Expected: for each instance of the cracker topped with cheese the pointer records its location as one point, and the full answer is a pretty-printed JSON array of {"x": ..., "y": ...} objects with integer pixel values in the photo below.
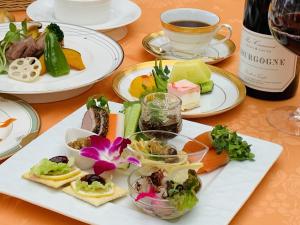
[
  {"x": 54, "y": 172},
  {"x": 94, "y": 190}
]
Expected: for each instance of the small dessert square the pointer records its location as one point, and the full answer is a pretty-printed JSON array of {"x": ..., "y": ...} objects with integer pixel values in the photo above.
[{"x": 188, "y": 92}]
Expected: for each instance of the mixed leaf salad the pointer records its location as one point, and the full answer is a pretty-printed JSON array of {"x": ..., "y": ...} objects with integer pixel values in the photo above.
[{"x": 153, "y": 189}]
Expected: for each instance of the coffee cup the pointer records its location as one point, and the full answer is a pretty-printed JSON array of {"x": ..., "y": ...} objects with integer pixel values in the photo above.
[
  {"x": 82, "y": 12},
  {"x": 192, "y": 30}
]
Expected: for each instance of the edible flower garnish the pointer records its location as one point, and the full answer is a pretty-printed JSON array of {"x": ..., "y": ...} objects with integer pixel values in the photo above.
[
  {"x": 151, "y": 193},
  {"x": 107, "y": 154}
]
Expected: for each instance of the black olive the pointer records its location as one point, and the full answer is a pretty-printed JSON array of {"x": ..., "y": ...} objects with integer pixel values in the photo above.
[
  {"x": 172, "y": 151},
  {"x": 90, "y": 178},
  {"x": 169, "y": 184},
  {"x": 59, "y": 159},
  {"x": 179, "y": 187}
]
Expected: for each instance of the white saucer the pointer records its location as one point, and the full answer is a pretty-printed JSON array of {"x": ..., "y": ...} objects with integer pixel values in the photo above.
[
  {"x": 123, "y": 12},
  {"x": 157, "y": 44}
]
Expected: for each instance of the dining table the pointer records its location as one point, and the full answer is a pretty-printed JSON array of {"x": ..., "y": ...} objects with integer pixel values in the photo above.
[{"x": 276, "y": 200}]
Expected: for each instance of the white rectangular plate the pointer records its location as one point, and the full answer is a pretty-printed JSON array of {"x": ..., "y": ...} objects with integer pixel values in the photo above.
[{"x": 223, "y": 193}]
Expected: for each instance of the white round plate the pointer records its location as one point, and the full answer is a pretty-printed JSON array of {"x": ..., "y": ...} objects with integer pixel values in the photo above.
[
  {"x": 101, "y": 56},
  {"x": 157, "y": 44},
  {"x": 23, "y": 130},
  {"x": 123, "y": 12},
  {"x": 228, "y": 90}
]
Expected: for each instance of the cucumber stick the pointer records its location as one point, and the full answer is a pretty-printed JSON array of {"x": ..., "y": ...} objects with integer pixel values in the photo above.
[
  {"x": 207, "y": 87},
  {"x": 132, "y": 111}
]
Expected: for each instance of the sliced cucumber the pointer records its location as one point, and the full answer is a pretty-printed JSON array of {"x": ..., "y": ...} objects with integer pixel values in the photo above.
[
  {"x": 132, "y": 111},
  {"x": 207, "y": 87}
]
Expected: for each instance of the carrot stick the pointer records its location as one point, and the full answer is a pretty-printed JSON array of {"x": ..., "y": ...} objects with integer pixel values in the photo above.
[
  {"x": 115, "y": 126},
  {"x": 212, "y": 160},
  {"x": 7, "y": 122}
]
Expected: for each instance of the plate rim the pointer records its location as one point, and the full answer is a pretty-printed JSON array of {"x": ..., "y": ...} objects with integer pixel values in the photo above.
[
  {"x": 233, "y": 78},
  {"x": 96, "y": 26},
  {"x": 275, "y": 151},
  {"x": 151, "y": 36},
  {"x": 122, "y": 54},
  {"x": 34, "y": 133}
]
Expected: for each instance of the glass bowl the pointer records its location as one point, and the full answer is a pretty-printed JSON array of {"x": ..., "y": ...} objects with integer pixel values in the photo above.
[
  {"x": 158, "y": 148},
  {"x": 157, "y": 207}
]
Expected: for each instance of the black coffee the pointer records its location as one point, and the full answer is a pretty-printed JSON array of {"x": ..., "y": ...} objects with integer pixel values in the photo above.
[{"x": 189, "y": 23}]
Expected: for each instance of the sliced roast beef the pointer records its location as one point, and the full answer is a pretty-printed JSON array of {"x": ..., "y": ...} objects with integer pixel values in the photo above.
[
  {"x": 40, "y": 45},
  {"x": 96, "y": 120},
  {"x": 22, "y": 49}
]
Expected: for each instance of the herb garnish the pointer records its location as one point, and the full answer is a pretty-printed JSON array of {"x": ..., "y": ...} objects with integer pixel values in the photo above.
[
  {"x": 161, "y": 77},
  {"x": 13, "y": 35},
  {"x": 100, "y": 102},
  {"x": 237, "y": 148},
  {"x": 183, "y": 196}
]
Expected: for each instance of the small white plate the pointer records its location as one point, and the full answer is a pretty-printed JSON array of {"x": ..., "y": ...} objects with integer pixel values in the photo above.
[
  {"x": 223, "y": 191},
  {"x": 23, "y": 130},
  {"x": 228, "y": 90},
  {"x": 157, "y": 44},
  {"x": 100, "y": 54},
  {"x": 123, "y": 12}
]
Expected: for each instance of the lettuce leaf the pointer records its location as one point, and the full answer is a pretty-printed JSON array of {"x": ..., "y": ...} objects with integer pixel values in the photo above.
[
  {"x": 184, "y": 200},
  {"x": 95, "y": 186},
  {"x": 47, "y": 167}
]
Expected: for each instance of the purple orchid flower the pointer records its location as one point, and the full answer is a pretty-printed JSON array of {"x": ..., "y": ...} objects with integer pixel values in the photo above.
[{"x": 106, "y": 154}]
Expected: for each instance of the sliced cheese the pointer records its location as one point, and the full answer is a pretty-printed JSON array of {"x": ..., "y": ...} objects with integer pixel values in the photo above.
[
  {"x": 52, "y": 183},
  {"x": 97, "y": 201}
]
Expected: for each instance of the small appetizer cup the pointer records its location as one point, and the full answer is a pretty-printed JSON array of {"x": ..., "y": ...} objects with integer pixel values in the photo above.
[
  {"x": 158, "y": 207},
  {"x": 175, "y": 148},
  {"x": 71, "y": 135},
  {"x": 161, "y": 111}
]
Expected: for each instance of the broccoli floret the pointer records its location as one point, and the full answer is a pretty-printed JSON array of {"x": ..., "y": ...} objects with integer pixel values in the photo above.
[{"x": 54, "y": 28}]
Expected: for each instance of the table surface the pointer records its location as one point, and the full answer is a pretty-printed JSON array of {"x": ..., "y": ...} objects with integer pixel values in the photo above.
[{"x": 275, "y": 201}]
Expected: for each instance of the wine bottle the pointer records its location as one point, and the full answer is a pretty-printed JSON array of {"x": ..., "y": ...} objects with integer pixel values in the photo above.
[{"x": 268, "y": 70}]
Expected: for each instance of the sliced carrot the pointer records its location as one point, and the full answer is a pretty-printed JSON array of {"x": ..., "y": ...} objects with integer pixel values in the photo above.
[
  {"x": 115, "y": 126},
  {"x": 7, "y": 122},
  {"x": 212, "y": 160},
  {"x": 205, "y": 138}
]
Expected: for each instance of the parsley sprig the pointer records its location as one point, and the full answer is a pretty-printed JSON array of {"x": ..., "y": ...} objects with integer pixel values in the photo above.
[{"x": 237, "y": 148}]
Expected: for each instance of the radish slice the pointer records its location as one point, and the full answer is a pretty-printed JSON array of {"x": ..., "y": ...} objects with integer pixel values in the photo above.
[{"x": 25, "y": 69}]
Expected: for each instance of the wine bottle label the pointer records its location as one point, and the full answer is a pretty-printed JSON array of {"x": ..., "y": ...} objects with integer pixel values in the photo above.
[{"x": 265, "y": 65}]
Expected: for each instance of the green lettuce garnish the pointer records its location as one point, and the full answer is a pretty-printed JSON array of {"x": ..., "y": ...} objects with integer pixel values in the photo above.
[
  {"x": 95, "y": 186},
  {"x": 183, "y": 196},
  {"x": 184, "y": 200},
  {"x": 47, "y": 167}
]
